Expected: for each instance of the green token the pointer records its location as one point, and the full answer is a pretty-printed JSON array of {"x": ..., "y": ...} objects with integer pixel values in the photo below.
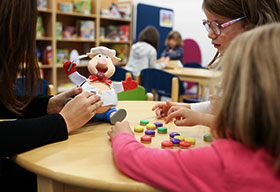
[
  {"x": 144, "y": 122},
  {"x": 162, "y": 130},
  {"x": 207, "y": 138}
]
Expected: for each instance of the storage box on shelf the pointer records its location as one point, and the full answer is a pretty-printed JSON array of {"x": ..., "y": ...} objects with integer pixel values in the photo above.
[{"x": 78, "y": 24}]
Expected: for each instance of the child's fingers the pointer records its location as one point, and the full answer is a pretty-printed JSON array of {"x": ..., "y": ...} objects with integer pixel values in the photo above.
[
  {"x": 159, "y": 113},
  {"x": 157, "y": 106},
  {"x": 180, "y": 122},
  {"x": 173, "y": 115}
]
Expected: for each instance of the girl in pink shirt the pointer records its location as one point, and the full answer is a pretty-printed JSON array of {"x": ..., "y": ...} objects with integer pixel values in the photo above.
[{"x": 246, "y": 153}]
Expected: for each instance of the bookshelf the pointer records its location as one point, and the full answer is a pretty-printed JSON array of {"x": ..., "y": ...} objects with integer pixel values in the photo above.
[{"x": 50, "y": 15}]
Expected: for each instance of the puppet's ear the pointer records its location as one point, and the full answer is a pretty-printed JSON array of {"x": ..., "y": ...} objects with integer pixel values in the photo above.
[
  {"x": 91, "y": 55},
  {"x": 115, "y": 59}
]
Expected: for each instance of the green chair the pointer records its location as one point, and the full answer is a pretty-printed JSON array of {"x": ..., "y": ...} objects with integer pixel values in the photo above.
[{"x": 138, "y": 94}]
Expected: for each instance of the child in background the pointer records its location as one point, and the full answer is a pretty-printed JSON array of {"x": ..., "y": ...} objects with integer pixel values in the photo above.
[
  {"x": 174, "y": 50},
  {"x": 246, "y": 153},
  {"x": 143, "y": 54}
]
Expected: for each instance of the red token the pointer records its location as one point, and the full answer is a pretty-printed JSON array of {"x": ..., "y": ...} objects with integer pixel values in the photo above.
[
  {"x": 185, "y": 144},
  {"x": 166, "y": 144},
  {"x": 146, "y": 139}
]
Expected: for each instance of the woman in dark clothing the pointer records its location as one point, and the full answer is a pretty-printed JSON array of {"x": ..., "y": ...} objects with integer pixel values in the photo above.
[{"x": 40, "y": 119}]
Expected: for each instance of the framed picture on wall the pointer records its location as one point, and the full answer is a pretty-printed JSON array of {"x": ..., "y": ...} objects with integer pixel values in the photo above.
[{"x": 166, "y": 18}]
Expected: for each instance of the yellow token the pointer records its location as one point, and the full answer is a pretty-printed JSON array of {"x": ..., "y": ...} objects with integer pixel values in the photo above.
[
  {"x": 139, "y": 129},
  {"x": 179, "y": 137},
  {"x": 151, "y": 126},
  {"x": 190, "y": 139}
]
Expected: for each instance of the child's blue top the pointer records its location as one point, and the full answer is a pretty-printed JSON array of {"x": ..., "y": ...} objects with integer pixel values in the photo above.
[{"x": 175, "y": 54}]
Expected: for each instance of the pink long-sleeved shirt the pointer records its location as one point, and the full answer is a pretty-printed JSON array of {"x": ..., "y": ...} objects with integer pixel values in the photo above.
[{"x": 224, "y": 166}]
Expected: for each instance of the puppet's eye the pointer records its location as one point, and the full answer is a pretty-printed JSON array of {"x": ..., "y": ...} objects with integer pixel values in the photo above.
[
  {"x": 107, "y": 57},
  {"x": 99, "y": 55}
]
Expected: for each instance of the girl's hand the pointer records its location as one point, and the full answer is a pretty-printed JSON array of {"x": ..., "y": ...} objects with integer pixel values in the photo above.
[
  {"x": 120, "y": 127},
  {"x": 163, "y": 108},
  {"x": 184, "y": 117},
  {"x": 56, "y": 103},
  {"x": 80, "y": 110}
]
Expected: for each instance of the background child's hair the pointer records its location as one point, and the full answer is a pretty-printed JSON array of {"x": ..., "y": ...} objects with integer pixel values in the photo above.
[
  {"x": 150, "y": 35},
  {"x": 256, "y": 12},
  {"x": 174, "y": 35},
  {"x": 249, "y": 109}
]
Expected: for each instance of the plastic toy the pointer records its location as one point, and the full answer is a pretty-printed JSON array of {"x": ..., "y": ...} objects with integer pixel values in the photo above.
[{"x": 101, "y": 66}]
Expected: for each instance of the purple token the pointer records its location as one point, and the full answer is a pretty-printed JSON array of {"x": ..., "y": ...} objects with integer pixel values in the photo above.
[
  {"x": 175, "y": 141},
  {"x": 173, "y": 134},
  {"x": 150, "y": 132},
  {"x": 158, "y": 124}
]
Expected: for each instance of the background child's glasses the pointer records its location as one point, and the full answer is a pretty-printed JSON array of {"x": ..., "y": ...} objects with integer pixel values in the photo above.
[{"x": 216, "y": 28}]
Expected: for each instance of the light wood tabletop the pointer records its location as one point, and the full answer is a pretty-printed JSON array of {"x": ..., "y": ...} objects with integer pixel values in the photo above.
[
  {"x": 205, "y": 78},
  {"x": 84, "y": 162}
]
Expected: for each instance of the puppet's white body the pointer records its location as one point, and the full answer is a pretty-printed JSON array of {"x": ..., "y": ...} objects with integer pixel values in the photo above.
[{"x": 108, "y": 94}]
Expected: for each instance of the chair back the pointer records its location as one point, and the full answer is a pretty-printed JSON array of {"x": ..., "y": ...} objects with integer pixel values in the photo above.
[
  {"x": 160, "y": 81},
  {"x": 191, "y": 51},
  {"x": 20, "y": 87},
  {"x": 121, "y": 74}
]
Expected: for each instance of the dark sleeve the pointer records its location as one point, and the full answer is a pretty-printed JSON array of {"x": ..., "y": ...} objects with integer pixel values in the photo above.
[
  {"x": 176, "y": 54},
  {"x": 37, "y": 108},
  {"x": 25, "y": 134},
  {"x": 164, "y": 53}
]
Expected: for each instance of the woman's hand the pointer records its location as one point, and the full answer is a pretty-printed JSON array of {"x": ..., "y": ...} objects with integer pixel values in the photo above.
[
  {"x": 80, "y": 110},
  {"x": 56, "y": 103},
  {"x": 161, "y": 109},
  {"x": 187, "y": 117},
  {"x": 120, "y": 127}
]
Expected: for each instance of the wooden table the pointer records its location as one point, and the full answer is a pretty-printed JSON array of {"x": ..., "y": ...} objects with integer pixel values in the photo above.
[
  {"x": 204, "y": 77},
  {"x": 85, "y": 163}
]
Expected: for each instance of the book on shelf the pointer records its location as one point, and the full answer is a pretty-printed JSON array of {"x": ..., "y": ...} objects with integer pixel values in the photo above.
[
  {"x": 66, "y": 7},
  {"x": 59, "y": 29},
  {"x": 62, "y": 56},
  {"x": 44, "y": 54},
  {"x": 82, "y": 6},
  {"x": 117, "y": 33},
  {"x": 40, "y": 31},
  {"x": 42, "y": 4},
  {"x": 121, "y": 50},
  {"x": 86, "y": 29}
]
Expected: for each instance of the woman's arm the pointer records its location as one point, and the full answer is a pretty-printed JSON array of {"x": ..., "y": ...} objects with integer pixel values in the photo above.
[
  {"x": 37, "y": 108},
  {"x": 25, "y": 134}
]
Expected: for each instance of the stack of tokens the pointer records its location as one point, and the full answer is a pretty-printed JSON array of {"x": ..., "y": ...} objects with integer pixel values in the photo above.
[
  {"x": 179, "y": 137},
  {"x": 151, "y": 126},
  {"x": 162, "y": 130},
  {"x": 150, "y": 133},
  {"x": 190, "y": 139},
  {"x": 166, "y": 145},
  {"x": 175, "y": 141},
  {"x": 158, "y": 124},
  {"x": 207, "y": 138},
  {"x": 144, "y": 122},
  {"x": 146, "y": 139},
  {"x": 139, "y": 129},
  {"x": 184, "y": 144},
  {"x": 173, "y": 134}
]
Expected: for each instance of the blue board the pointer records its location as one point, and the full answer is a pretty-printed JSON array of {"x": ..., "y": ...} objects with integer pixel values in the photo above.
[{"x": 150, "y": 15}]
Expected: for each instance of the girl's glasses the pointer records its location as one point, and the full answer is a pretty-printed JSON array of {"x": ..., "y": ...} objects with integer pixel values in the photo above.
[{"x": 216, "y": 28}]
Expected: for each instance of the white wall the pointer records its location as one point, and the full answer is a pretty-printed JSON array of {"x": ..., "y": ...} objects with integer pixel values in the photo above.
[{"x": 188, "y": 17}]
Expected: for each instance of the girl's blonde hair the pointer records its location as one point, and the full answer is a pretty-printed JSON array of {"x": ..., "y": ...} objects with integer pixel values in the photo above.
[
  {"x": 249, "y": 109},
  {"x": 256, "y": 13},
  {"x": 174, "y": 35}
]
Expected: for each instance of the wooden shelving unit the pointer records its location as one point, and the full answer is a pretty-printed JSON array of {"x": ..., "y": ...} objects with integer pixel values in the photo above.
[{"x": 53, "y": 72}]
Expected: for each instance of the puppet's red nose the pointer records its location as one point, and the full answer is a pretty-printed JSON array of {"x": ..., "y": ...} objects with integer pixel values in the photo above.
[{"x": 102, "y": 61}]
